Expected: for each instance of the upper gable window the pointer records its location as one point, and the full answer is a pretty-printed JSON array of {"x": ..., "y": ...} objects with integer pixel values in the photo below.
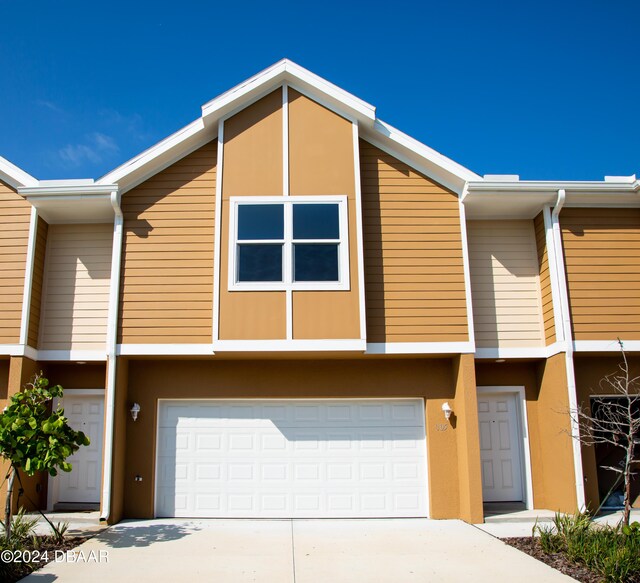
[{"x": 288, "y": 243}]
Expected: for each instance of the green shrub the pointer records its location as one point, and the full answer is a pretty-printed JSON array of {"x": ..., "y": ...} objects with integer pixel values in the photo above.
[{"x": 612, "y": 551}]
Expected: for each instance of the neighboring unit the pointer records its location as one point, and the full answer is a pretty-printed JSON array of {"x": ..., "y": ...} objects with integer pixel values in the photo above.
[{"x": 269, "y": 313}]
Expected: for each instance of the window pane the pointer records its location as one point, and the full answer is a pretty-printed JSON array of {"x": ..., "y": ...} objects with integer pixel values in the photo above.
[
  {"x": 316, "y": 221},
  {"x": 260, "y": 221},
  {"x": 315, "y": 262},
  {"x": 260, "y": 263}
]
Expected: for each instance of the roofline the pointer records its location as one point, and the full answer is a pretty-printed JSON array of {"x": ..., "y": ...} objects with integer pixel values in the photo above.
[
  {"x": 14, "y": 176},
  {"x": 204, "y": 129},
  {"x": 62, "y": 190},
  {"x": 546, "y": 186}
]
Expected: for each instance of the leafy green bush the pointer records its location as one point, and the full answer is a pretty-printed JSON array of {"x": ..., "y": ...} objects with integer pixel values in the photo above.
[{"x": 612, "y": 551}]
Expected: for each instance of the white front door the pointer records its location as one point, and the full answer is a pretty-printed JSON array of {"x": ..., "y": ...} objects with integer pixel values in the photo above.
[
  {"x": 82, "y": 485},
  {"x": 292, "y": 459},
  {"x": 500, "y": 448}
]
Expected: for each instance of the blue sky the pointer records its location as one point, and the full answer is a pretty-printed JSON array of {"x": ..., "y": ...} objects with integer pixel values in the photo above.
[{"x": 547, "y": 90}]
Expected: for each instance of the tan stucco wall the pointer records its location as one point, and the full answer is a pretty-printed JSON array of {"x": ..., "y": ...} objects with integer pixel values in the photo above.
[
  {"x": 550, "y": 445},
  {"x": 435, "y": 380}
]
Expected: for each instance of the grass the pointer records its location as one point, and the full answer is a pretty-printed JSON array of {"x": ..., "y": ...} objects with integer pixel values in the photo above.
[{"x": 611, "y": 551}]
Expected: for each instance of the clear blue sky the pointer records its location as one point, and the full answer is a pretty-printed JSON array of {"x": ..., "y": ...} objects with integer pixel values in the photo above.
[{"x": 547, "y": 90}]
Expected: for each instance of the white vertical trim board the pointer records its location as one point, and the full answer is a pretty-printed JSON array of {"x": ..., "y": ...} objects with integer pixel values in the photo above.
[
  {"x": 28, "y": 276},
  {"x": 521, "y": 403},
  {"x": 285, "y": 192},
  {"x": 466, "y": 266},
  {"x": 568, "y": 338},
  {"x": 359, "y": 232},
  {"x": 553, "y": 274},
  {"x": 217, "y": 235}
]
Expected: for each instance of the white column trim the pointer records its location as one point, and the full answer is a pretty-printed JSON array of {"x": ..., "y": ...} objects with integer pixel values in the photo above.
[
  {"x": 359, "y": 231},
  {"x": 553, "y": 274},
  {"x": 215, "y": 325},
  {"x": 28, "y": 276},
  {"x": 568, "y": 337},
  {"x": 466, "y": 266}
]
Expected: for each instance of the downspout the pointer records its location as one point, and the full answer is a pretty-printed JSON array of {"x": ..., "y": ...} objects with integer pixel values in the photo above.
[
  {"x": 112, "y": 338},
  {"x": 569, "y": 346}
]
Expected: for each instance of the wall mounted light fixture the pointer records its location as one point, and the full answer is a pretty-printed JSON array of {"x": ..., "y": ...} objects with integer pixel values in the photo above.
[
  {"x": 447, "y": 410},
  {"x": 135, "y": 409}
]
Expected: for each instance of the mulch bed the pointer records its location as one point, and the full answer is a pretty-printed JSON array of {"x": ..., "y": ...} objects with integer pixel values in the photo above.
[
  {"x": 46, "y": 543},
  {"x": 558, "y": 561}
]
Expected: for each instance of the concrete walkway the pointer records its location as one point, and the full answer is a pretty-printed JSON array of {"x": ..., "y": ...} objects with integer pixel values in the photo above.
[
  {"x": 297, "y": 551},
  {"x": 521, "y": 523}
]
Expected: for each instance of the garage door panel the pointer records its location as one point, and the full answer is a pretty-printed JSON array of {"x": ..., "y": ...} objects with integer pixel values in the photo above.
[{"x": 312, "y": 459}]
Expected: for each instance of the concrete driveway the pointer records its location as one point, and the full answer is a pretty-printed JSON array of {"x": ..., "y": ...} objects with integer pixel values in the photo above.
[{"x": 300, "y": 551}]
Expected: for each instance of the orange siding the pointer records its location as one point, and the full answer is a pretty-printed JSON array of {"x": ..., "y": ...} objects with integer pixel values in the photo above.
[
  {"x": 15, "y": 213},
  {"x": 545, "y": 280},
  {"x": 252, "y": 166},
  {"x": 167, "y": 270},
  {"x": 36, "y": 285},
  {"x": 602, "y": 259},
  {"x": 414, "y": 276},
  {"x": 322, "y": 163}
]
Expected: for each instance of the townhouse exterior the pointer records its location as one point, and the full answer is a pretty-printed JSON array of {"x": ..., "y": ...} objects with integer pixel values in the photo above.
[{"x": 291, "y": 309}]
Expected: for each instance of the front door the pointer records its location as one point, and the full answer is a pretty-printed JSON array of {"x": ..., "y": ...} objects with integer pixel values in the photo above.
[
  {"x": 500, "y": 448},
  {"x": 82, "y": 485}
]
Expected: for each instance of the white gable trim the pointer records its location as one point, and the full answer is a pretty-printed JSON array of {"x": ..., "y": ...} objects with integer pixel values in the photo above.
[
  {"x": 14, "y": 176},
  {"x": 163, "y": 154}
]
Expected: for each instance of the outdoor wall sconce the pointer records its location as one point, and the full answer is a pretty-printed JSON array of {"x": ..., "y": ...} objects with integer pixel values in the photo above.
[
  {"x": 446, "y": 408},
  {"x": 135, "y": 409}
]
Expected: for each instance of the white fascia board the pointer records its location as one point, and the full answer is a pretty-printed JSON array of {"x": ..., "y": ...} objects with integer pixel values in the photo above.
[
  {"x": 164, "y": 349},
  {"x": 429, "y": 154},
  {"x": 14, "y": 176},
  {"x": 338, "y": 345},
  {"x": 420, "y": 348},
  {"x": 606, "y": 346},
  {"x": 520, "y": 352},
  {"x": 60, "y": 191},
  {"x": 287, "y": 71},
  {"x": 73, "y": 355},
  {"x": 581, "y": 186},
  {"x": 420, "y": 158},
  {"x": 155, "y": 153}
]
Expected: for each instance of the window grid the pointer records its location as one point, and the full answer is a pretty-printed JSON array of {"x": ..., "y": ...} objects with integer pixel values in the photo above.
[{"x": 288, "y": 244}]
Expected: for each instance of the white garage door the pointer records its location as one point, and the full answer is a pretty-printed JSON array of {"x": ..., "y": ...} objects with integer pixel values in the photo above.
[{"x": 291, "y": 459}]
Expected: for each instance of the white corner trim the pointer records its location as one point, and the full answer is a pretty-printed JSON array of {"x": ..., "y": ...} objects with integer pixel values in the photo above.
[
  {"x": 28, "y": 276},
  {"x": 362, "y": 308},
  {"x": 605, "y": 345},
  {"x": 520, "y": 352},
  {"x": 164, "y": 349},
  {"x": 420, "y": 348},
  {"x": 521, "y": 401},
  {"x": 337, "y": 345},
  {"x": 466, "y": 266},
  {"x": 217, "y": 236}
]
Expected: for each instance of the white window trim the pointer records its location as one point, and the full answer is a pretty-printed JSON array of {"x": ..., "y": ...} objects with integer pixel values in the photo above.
[{"x": 287, "y": 257}]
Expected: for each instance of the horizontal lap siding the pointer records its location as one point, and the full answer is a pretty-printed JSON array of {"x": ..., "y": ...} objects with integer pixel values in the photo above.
[
  {"x": 602, "y": 259},
  {"x": 414, "y": 275},
  {"x": 167, "y": 272},
  {"x": 76, "y": 287},
  {"x": 15, "y": 215},
  {"x": 545, "y": 280},
  {"x": 37, "y": 283},
  {"x": 505, "y": 283}
]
